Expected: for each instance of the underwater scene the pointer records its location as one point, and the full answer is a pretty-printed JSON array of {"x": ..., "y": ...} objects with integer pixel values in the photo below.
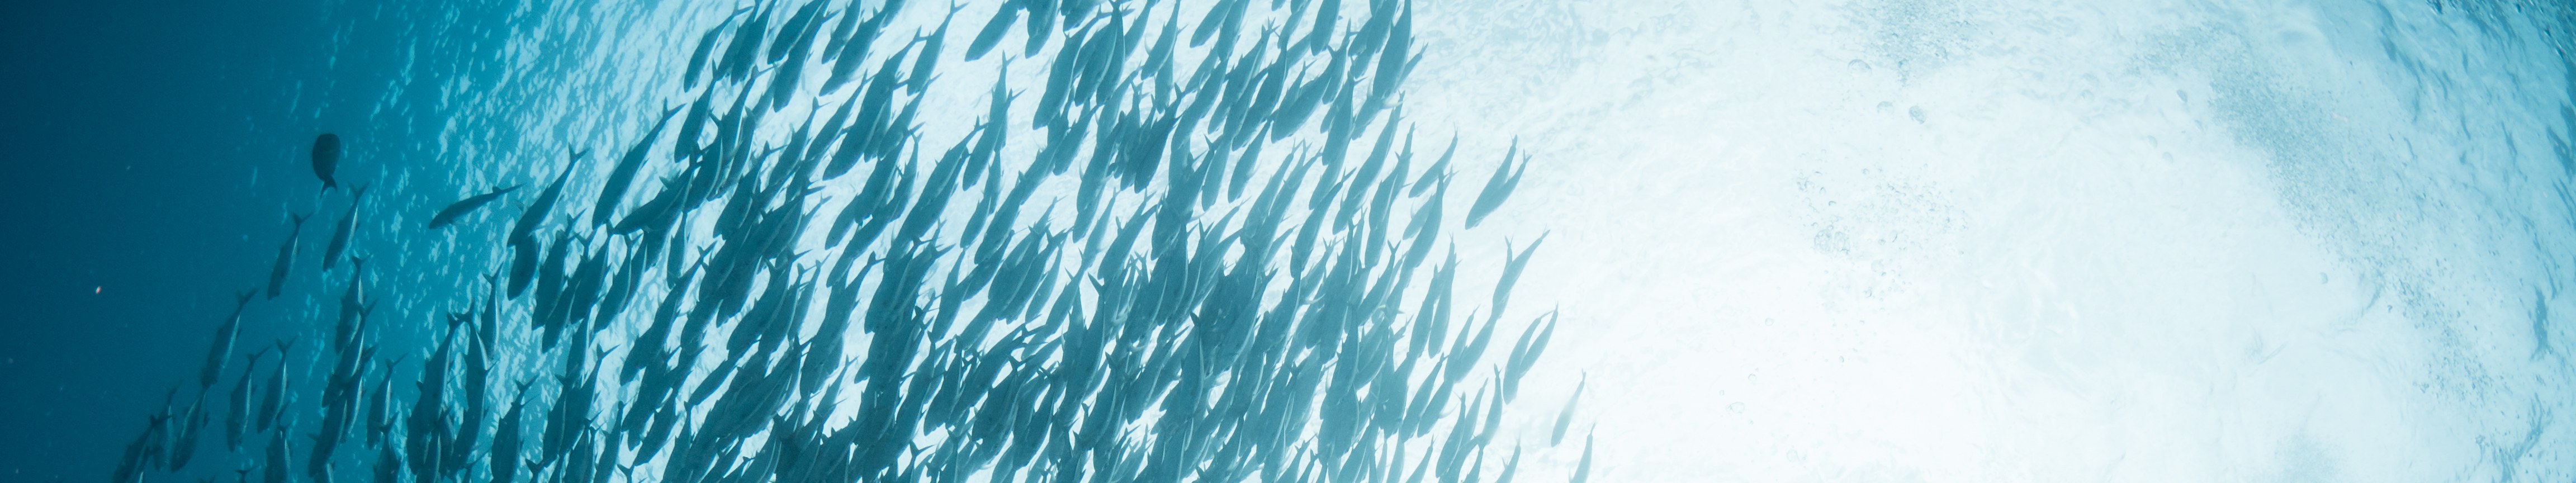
[{"x": 1398, "y": 241}]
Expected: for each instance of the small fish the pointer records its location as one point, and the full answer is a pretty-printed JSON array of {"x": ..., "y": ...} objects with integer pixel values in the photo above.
[
  {"x": 1565, "y": 417},
  {"x": 461, "y": 207},
  {"x": 1583, "y": 471},
  {"x": 273, "y": 404},
  {"x": 285, "y": 257},
  {"x": 1512, "y": 274},
  {"x": 535, "y": 214},
  {"x": 1499, "y": 187},
  {"x": 276, "y": 465},
  {"x": 326, "y": 159},
  {"x": 221, "y": 351},
  {"x": 340, "y": 234},
  {"x": 235, "y": 422},
  {"x": 621, "y": 177}
]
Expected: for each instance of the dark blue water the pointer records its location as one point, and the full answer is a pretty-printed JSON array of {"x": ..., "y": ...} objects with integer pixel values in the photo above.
[
  {"x": 157, "y": 151},
  {"x": 130, "y": 212}
]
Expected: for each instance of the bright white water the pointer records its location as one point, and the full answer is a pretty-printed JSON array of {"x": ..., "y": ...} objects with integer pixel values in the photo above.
[{"x": 2032, "y": 241}]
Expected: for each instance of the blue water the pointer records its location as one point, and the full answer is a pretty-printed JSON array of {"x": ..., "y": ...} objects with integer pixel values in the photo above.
[{"x": 1866, "y": 240}]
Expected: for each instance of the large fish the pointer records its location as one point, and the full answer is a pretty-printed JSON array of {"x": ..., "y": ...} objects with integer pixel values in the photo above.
[
  {"x": 461, "y": 207},
  {"x": 326, "y": 159}
]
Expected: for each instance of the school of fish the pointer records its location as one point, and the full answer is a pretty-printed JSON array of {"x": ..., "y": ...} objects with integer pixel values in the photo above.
[{"x": 1237, "y": 278}]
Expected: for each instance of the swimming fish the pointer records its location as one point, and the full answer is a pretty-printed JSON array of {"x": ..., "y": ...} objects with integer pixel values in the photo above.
[
  {"x": 326, "y": 159},
  {"x": 459, "y": 208},
  {"x": 285, "y": 256}
]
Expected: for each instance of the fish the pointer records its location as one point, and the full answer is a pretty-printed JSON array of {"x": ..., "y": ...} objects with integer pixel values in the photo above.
[
  {"x": 1565, "y": 417},
  {"x": 797, "y": 23},
  {"x": 1439, "y": 169},
  {"x": 535, "y": 214},
  {"x": 275, "y": 468},
  {"x": 353, "y": 309},
  {"x": 706, "y": 45},
  {"x": 622, "y": 176},
  {"x": 326, "y": 159},
  {"x": 459, "y": 208},
  {"x": 991, "y": 35},
  {"x": 744, "y": 47},
  {"x": 285, "y": 257},
  {"x": 841, "y": 32},
  {"x": 222, "y": 349},
  {"x": 1262, "y": 341},
  {"x": 1497, "y": 188},
  {"x": 1512, "y": 274},
  {"x": 1525, "y": 352},
  {"x": 340, "y": 234},
  {"x": 1583, "y": 470},
  {"x": 795, "y": 42},
  {"x": 237, "y": 420},
  {"x": 380, "y": 408},
  {"x": 928, "y": 60},
  {"x": 183, "y": 442},
  {"x": 273, "y": 404}
]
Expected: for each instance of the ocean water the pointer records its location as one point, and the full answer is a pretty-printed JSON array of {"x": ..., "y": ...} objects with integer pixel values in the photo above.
[{"x": 1782, "y": 241}]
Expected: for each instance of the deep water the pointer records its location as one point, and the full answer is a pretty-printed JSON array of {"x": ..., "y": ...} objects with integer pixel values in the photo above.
[{"x": 1865, "y": 240}]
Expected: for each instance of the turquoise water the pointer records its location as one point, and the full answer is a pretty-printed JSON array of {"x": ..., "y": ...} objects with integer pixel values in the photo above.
[{"x": 1811, "y": 241}]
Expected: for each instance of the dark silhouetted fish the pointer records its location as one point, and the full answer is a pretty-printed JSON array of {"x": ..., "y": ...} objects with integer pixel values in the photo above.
[
  {"x": 285, "y": 257},
  {"x": 340, "y": 231},
  {"x": 326, "y": 159},
  {"x": 613, "y": 190},
  {"x": 222, "y": 349},
  {"x": 526, "y": 227},
  {"x": 448, "y": 215},
  {"x": 237, "y": 421},
  {"x": 274, "y": 403}
]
